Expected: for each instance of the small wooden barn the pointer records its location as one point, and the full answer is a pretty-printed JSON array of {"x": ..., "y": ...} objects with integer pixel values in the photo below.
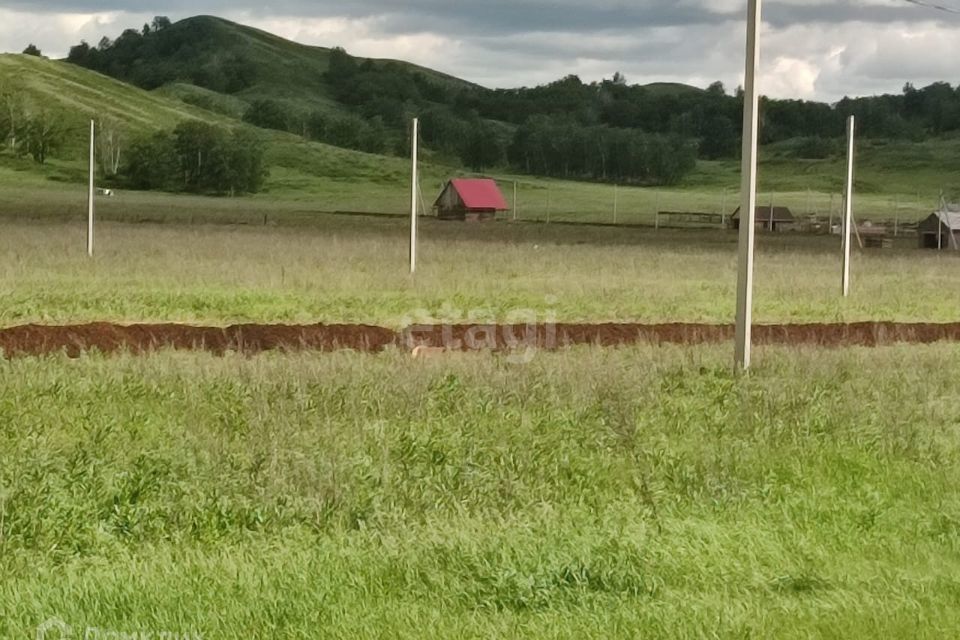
[
  {"x": 471, "y": 199},
  {"x": 874, "y": 237},
  {"x": 769, "y": 218},
  {"x": 941, "y": 230}
]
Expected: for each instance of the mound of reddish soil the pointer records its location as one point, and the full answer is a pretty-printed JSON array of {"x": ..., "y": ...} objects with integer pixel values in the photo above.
[
  {"x": 251, "y": 338},
  {"x": 470, "y": 337},
  {"x": 107, "y": 338}
]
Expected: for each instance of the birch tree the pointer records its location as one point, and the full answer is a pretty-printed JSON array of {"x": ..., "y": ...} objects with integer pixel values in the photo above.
[{"x": 110, "y": 142}]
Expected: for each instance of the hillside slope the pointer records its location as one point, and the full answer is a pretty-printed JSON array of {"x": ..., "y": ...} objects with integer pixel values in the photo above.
[
  {"x": 76, "y": 95},
  {"x": 80, "y": 94},
  {"x": 234, "y": 59},
  {"x": 329, "y": 177}
]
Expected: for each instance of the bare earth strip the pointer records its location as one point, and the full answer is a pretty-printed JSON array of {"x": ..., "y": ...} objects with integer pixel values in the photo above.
[{"x": 107, "y": 338}]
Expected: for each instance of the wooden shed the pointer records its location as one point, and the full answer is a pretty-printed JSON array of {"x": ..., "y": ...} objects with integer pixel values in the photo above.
[
  {"x": 769, "y": 218},
  {"x": 874, "y": 237},
  {"x": 941, "y": 230},
  {"x": 470, "y": 199}
]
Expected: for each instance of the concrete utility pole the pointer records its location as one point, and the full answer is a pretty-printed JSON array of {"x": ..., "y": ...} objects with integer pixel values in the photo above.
[
  {"x": 413, "y": 195},
  {"x": 848, "y": 208},
  {"x": 90, "y": 193},
  {"x": 748, "y": 189}
]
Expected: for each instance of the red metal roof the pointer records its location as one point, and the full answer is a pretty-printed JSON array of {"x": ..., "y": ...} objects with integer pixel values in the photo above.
[{"x": 481, "y": 193}]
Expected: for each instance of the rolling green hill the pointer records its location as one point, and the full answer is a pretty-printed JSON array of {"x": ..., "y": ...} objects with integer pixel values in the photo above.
[
  {"x": 230, "y": 58},
  {"x": 76, "y": 95},
  {"x": 605, "y": 131},
  {"x": 325, "y": 177},
  {"x": 79, "y": 94},
  {"x": 280, "y": 67}
]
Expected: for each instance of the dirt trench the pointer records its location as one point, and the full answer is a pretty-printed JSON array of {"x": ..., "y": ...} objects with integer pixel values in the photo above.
[{"x": 74, "y": 340}]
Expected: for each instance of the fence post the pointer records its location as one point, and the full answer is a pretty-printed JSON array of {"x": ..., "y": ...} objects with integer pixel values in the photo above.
[
  {"x": 414, "y": 182},
  {"x": 90, "y": 194}
]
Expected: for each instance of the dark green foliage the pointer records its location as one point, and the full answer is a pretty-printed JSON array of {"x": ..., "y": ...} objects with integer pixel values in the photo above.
[
  {"x": 268, "y": 114},
  {"x": 606, "y": 130},
  {"x": 152, "y": 163},
  {"x": 198, "y": 158},
  {"x": 482, "y": 148},
  {"x": 721, "y": 139},
  {"x": 212, "y": 160},
  {"x": 441, "y": 129},
  {"x": 348, "y": 131},
  {"x": 563, "y": 148},
  {"x": 81, "y": 54},
  {"x": 32, "y": 50},
  {"x": 358, "y": 84},
  {"x": 316, "y": 126},
  {"x": 160, "y": 23},
  {"x": 43, "y": 134},
  {"x": 245, "y": 169},
  {"x": 393, "y": 112},
  {"x": 191, "y": 52}
]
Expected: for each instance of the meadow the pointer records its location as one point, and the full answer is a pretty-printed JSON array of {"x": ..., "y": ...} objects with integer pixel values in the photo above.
[
  {"x": 628, "y": 492},
  {"x": 589, "y": 493},
  {"x": 308, "y": 179},
  {"x": 896, "y": 179},
  {"x": 354, "y": 269},
  {"x": 636, "y": 492}
]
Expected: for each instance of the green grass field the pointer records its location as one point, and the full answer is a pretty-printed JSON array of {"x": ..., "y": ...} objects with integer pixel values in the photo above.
[
  {"x": 639, "y": 492},
  {"x": 354, "y": 269},
  {"x": 631, "y": 492},
  {"x": 621, "y": 493},
  {"x": 895, "y": 180}
]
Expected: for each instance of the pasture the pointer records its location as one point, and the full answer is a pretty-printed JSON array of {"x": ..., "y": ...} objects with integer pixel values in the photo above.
[
  {"x": 641, "y": 492},
  {"x": 331, "y": 268},
  {"x": 588, "y": 493},
  {"x": 584, "y": 492}
]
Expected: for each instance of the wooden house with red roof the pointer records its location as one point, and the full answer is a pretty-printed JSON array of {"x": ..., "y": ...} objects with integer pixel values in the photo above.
[{"x": 471, "y": 199}]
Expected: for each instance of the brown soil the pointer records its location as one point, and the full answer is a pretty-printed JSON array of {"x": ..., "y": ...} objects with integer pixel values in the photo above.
[
  {"x": 108, "y": 338},
  {"x": 546, "y": 337}
]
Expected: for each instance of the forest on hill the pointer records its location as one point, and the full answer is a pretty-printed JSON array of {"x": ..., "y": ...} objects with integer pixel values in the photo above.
[{"x": 606, "y": 131}]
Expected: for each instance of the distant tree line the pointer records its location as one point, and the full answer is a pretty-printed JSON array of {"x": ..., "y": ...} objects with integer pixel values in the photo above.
[
  {"x": 712, "y": 116},
  {"x": 196, "y": 158},
  {"x": 608, "y": 130},
  {"x": 665, "y": 123},
  {"x": 560, "y": 147},
  {"x": 157, "y": 55}
]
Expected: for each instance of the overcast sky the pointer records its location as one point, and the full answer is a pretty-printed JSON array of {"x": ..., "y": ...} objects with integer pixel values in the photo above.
[{"x": 814, "y": 49}]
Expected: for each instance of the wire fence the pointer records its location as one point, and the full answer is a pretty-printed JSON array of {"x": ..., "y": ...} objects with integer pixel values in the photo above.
[{"x": 546, "y": 202}]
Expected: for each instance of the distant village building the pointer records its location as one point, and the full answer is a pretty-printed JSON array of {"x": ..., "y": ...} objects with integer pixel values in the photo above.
[
  {"x": 874, "y": 237},
  {"x": 768, "y": 218},
  {"x": 941, "y": 230},
  {"x": 470, "y": 199}
]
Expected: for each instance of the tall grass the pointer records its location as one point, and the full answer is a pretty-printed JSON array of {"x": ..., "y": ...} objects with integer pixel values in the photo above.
[
  {"x": 354, "y": 270},
  {"x": 619, "y": 493}
]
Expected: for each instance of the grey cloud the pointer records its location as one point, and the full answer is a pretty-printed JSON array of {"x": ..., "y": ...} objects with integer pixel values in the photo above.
[
  {"x": 525, "y": 42},
  {"x": 512, "y": 16}
]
